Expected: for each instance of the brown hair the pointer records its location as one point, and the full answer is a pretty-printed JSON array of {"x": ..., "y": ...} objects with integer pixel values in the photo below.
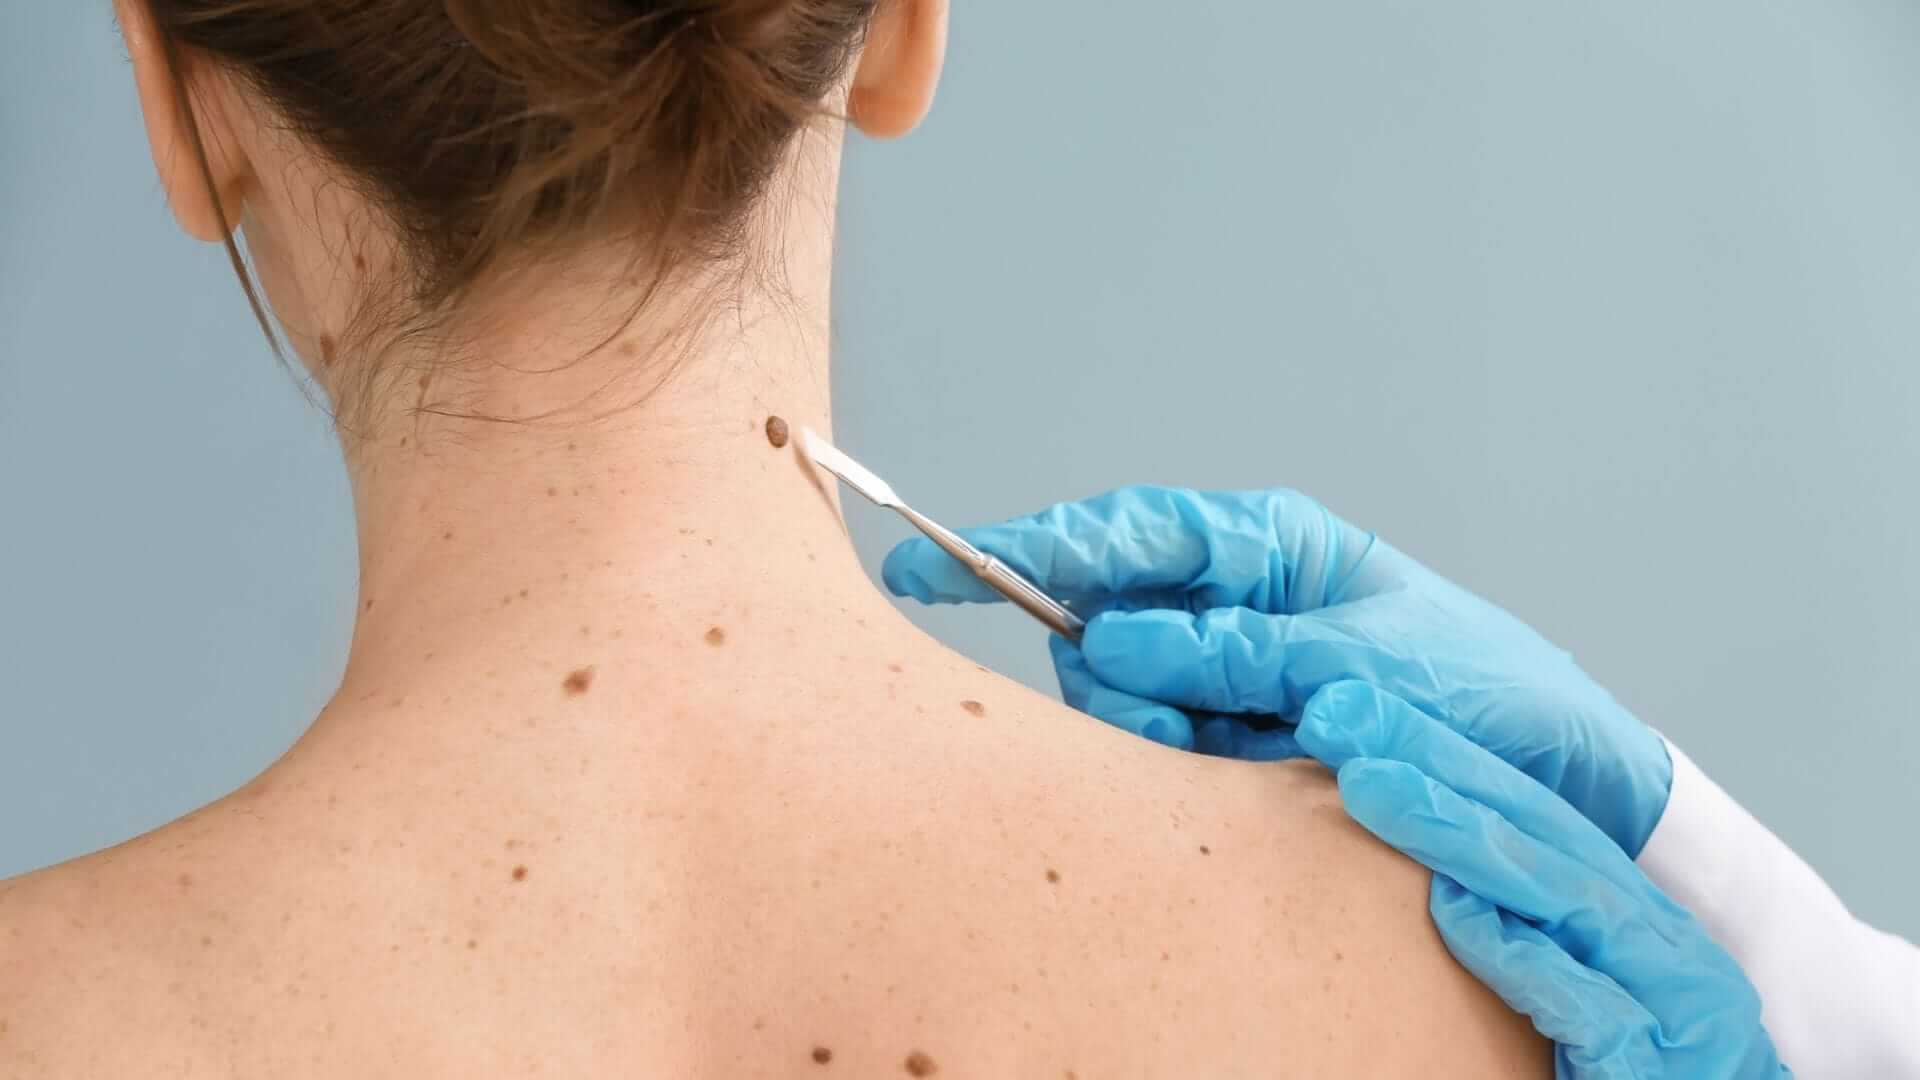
[{"x": 483, "y": 127}]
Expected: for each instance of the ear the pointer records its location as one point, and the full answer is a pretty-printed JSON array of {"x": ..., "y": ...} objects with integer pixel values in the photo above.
[
  {"x": 178, "y": 135},
  {"x": 899, "y": 69}
]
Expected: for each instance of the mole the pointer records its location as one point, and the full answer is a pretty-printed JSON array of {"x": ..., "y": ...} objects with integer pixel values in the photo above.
[
  {"x": 974, "y": 707},
  {"x": 716, "y": 637},
  {"x": 822, "y": 1055},
  {"x": 578, "y": 682},
  {"x": 359, "y": 261},
  {"x": 919, "y": 1064},
  {"x": 1205, "y": 850},
  {"x": 327, "y": 345},
  {"x": 776, "y": 432},
  {"x": 519, "y": 873},
  {"x": 1053, "y": 875},
  {"x": 472, "y": 944}
]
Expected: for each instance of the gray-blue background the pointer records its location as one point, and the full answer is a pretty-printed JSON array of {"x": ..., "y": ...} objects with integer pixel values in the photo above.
[{"x": 1608, "y": 310}]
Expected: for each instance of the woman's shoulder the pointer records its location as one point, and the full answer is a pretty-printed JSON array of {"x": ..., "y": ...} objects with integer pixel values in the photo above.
[{"x": 118, "y": 943}]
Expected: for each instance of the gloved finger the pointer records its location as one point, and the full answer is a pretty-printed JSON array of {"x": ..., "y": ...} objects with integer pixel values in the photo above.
[
  {"x": 1599, "y": 1029},
  {"x": 1079, "y": 688},
  {"x": 1233, "y": 737},
  {"x": 1352, "y": 720},
  {"x": 1237, "y": 660},
  {"x": 1599, "y": 923},
  {"x": 1267, "y": 550}
]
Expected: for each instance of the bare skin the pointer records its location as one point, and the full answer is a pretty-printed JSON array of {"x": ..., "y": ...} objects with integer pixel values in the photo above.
[{"x": 633, "y": 772}]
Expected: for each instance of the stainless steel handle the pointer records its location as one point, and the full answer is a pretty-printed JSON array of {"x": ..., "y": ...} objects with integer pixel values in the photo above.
[{"x": 1002, "y": 578}]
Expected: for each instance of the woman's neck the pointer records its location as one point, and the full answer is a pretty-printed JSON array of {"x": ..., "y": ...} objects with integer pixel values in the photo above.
[{"x": 659, "y": 521}]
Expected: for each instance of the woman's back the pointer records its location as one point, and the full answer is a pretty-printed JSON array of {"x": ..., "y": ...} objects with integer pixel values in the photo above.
[
  {"x": 632, "y": 771},
  {"x": 755, "y": 855}
]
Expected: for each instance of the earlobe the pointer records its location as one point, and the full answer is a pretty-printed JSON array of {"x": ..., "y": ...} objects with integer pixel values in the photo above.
[
  {"x": 176, "y": 139},
  {"x": 899, "y": 69}
]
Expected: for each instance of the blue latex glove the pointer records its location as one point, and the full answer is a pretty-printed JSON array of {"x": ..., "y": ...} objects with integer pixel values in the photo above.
[
  {"x": 1215, "y": 614},
  {"x": 1540, "y": 905}
]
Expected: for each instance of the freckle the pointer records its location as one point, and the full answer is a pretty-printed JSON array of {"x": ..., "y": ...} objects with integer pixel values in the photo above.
[
  {"x": 327, "y": 346},
  {"x": 425, "y": 379},
  {"x": 629, "y": 348},
  {"x": 552, "y": 491},
  {"x": 369, "y": 606},
  {"x": 572, "y": 446},
  {"x": 186, "y": 880},
  {"x": 578, "y": 682},
  {"x": 776, "y": 432},
  {"x": 1053, "y": 875},
  {"x": 822, "y": 1055},
  {"x": 359, "y": 261},
  {"x": 716, "y": 636},
  {"x": 1338, "y": 955},
  {"x": 519, "y": 873},
  {"x": 1205, "y": 850},
  {"x": 895, "y": 668},
  {"x": 511, "y": 844},
  {"x": 523, "y": 593},
  {"x": 448, "y": 535},
  {"x": 205, "y": 941},
  {"x": 919, "y": 1064},
  {"x": 472, "y": 944},
  {"x": 974, "y": 707}
]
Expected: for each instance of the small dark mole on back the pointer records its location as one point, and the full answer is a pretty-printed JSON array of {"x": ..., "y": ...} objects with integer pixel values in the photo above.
[
  {"x": 974, "y": 707},
  {"x": 822, "y": 1055},
  {"x": 359, "y": 261},
  {"x": 1053, "y": 875},
  {"x": 519, "y": 873},
  {"x": 1205, "y": 850},
  {"x": 776, "y": 432},
  {"x": 716, "y": 636},
  {"x": 919, "y": 1064},
  {"x": 578, "y": 682}
]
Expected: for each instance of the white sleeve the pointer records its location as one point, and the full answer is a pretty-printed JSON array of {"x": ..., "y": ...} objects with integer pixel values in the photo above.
[{"x": 1840, "y": 998}]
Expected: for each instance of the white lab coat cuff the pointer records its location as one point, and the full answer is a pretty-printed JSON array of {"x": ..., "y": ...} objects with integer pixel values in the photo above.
[{"x": 1840, "y": 998}]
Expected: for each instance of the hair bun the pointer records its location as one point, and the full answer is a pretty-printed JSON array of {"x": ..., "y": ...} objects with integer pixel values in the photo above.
[{"x": 753, "y": 26}]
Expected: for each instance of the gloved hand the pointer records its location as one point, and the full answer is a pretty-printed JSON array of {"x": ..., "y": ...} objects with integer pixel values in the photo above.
[
  {"x": 1538, "y": 904},
  {"x": 1214, "y": 615}
]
